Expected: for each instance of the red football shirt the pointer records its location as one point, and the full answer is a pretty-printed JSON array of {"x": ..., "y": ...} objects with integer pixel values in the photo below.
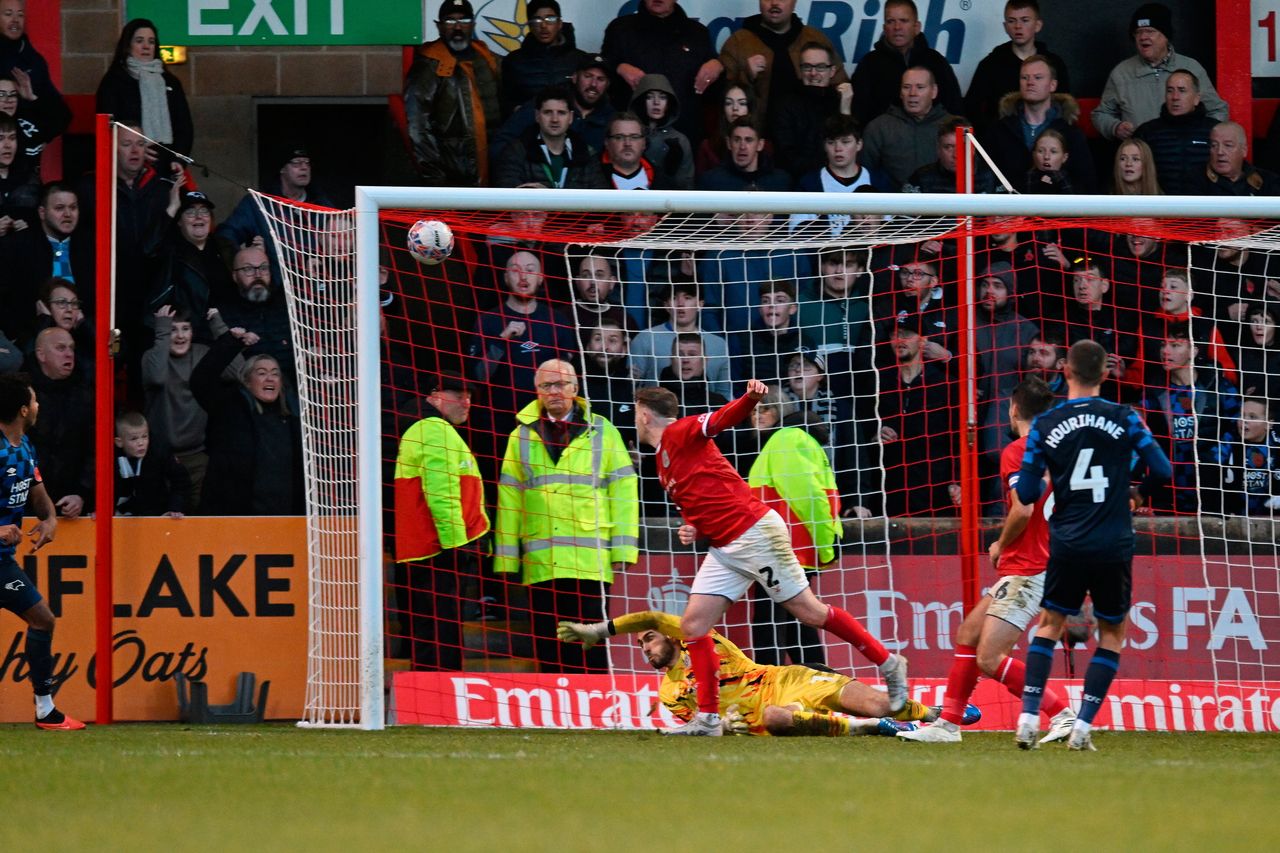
[
  {"x": 1029, "y": 553},
  {"x": 709, "y": 493}
]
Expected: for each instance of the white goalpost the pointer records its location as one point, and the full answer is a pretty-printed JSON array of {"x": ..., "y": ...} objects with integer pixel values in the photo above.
[{"x": 330, "y": 266}]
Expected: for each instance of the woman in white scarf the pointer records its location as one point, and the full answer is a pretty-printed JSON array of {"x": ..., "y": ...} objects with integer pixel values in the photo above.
[{"x": 138, "y": 87}]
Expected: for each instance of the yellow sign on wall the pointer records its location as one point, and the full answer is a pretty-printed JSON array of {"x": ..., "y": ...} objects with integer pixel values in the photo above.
[{"x": 207, "y": 597}]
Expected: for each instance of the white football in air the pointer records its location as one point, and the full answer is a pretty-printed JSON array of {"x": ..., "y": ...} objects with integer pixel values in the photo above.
[{"x": 430, "y": 241}]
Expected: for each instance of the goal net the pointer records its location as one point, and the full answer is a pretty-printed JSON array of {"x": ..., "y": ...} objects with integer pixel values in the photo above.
[{"x": 890, "y": 330}]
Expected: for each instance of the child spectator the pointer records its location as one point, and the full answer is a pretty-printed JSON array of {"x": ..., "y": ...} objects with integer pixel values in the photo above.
[
  {"x": 177, "y": 421},
  {"x": 149, "y": 481},
  {"x": 1251, "y": 467},
  {"x": 668, "y": 150},
  {"x": 652, "y": 348},
  {"x": 687, "y": 376},
  {"x": 807, "y": 387},
  {"x": 1193, "y": 413},
  {"x": 1260, "y": 354},
  {"x": 765, "y": 352},
  {"x": 1176, "y": 309},
  {"x": 1048, "y": 161}
]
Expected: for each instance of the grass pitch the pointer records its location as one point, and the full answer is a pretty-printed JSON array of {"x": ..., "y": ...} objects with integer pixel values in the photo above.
[{"x": 274, "y": 787}]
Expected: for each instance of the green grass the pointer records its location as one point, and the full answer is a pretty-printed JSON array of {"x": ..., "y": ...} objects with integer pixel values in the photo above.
[{"x": 274, "y": 787}]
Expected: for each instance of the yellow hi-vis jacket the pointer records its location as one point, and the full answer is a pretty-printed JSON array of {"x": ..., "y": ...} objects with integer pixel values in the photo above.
[
  {"x": 568, "y": 519},
  {"x": 793, "y": 476},
  {"x": 439, "y": 494}
]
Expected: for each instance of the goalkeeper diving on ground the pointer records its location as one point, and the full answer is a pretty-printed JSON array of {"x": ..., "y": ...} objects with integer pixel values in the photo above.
[{"x": 757, "y": 699}]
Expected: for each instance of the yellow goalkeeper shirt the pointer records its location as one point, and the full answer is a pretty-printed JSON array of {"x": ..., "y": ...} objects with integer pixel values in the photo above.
[{"x": 743, "y": 682}]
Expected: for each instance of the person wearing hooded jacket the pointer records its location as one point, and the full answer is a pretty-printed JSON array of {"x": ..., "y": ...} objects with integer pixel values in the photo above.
[
  {"x": 661, "y": 38},
  {"x": 667, "y": 149}
]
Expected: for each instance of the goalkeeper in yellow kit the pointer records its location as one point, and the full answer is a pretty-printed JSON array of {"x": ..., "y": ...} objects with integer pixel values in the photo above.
[{"x": 755, "y": 698}]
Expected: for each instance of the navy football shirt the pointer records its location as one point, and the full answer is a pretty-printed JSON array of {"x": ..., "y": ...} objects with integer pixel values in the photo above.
[
  {"x": 1087, "y": 444},
  {"x": 18, "y": 476}
]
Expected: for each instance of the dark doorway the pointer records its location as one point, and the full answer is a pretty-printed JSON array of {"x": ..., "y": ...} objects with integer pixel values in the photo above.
[{"x": 352, "y": 142}]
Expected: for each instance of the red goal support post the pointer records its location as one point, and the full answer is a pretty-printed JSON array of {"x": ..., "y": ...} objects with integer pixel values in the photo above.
[{"x": 911, "y": 465}]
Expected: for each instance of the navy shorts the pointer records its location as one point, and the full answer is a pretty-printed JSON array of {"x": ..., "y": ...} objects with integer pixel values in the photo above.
[
  {"x": 1068, "y": 580},
  {"x": 17, "y": 592}
]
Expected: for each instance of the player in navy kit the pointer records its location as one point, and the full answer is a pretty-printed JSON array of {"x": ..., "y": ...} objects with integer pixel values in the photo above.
[
  {"x": 1087, "y": 444},
  {"x": 20, "y": 484},
  {"x": 749, "y": 542}
]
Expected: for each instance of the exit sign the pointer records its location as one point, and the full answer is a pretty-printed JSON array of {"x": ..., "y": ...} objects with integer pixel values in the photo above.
[{"x": 275, "y": 22}]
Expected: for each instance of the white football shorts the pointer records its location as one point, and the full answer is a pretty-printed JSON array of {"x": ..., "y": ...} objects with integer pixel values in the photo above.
[
  {"x": 760, "y": 555},
  {"x": 1016, "y": 599}
]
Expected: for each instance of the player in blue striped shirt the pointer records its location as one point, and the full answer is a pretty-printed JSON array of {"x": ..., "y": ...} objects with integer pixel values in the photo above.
[
  {"x": 20, "y": 484},
  {"x": 1086, "y": 443}
]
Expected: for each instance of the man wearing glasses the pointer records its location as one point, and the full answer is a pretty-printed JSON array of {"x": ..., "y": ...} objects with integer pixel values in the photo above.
[
  {"x": 623, "y": 156},
  {"x": 568, "y": 514},
  {"x": 749, "y": 56},
  {"x": 548, "y": 56},
  {"x": 192, "y": 270},
  {"x": 258, "y": 306},
  {"x": 451, "y": 102}
]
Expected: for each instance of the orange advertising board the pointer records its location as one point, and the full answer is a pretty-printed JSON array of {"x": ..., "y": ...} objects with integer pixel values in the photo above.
[{"x": 207, "y": 597}]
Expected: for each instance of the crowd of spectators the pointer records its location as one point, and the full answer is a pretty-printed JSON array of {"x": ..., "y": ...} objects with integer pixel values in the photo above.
[
  {"x": 860, "y": 348},
  {"x": 860, "y": 343},
  {"x": 207, "y": 416}
]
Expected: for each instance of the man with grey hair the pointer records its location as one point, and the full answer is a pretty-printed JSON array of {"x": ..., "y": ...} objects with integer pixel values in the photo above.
[
  {"x": 568, "y": 513},
  {"x": 1135, "y": 88},
  {"x": 1228, "y": 172}
]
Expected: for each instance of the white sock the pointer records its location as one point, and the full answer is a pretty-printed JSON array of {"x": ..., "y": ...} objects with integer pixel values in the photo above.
[
  {"x": 1029, "y": 720},
  {"x": 890, "y": 663},
  {"x": 44, "y": 706},
  {"x": 1081, "y": 726}
]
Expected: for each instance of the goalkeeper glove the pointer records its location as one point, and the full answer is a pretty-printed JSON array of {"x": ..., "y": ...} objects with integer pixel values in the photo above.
[
  {"x": 588, "y": 635},
  {"x": 733, "y": 723}
]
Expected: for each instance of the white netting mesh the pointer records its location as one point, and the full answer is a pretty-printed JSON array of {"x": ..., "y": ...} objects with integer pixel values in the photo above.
[
  {"x": 1212, "y": 580},
  {"x": 317, "y": 260}
]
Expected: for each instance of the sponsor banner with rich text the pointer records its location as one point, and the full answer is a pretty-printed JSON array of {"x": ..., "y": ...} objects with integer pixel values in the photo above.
[{"x": 629, "y": 701}]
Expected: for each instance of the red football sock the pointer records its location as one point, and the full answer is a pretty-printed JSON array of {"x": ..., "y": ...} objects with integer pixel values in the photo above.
[
  {"x": 706, "y": 670},
  {"x": 844, "y": 626},
  {"x": 960, "y": 682},
  {"x": 1012, "y": 673}
]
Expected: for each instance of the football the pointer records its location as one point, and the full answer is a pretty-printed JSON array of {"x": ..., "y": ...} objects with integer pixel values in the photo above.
[{"x": 430, "y": 241}]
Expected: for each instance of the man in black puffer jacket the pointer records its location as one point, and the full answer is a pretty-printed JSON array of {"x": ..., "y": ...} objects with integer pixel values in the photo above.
[
  {"x": 548, "y": 55},
  {"x": 1179, "y": 138}
]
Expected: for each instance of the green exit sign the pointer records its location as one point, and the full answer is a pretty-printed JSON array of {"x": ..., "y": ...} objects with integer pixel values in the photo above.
[{"x": 275, "y": 22}]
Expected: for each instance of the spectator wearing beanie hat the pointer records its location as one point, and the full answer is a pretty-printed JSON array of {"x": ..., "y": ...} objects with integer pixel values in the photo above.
[{"x": 1135, "y": 88}]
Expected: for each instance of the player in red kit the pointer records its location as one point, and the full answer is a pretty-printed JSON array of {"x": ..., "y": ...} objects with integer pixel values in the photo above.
[
  {"x": 749, "y": 543},
  {"x": 987, "y": 635}
]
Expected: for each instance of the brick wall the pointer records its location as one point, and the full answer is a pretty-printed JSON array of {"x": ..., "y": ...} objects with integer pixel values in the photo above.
[{"x": 221, "y": 83}]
